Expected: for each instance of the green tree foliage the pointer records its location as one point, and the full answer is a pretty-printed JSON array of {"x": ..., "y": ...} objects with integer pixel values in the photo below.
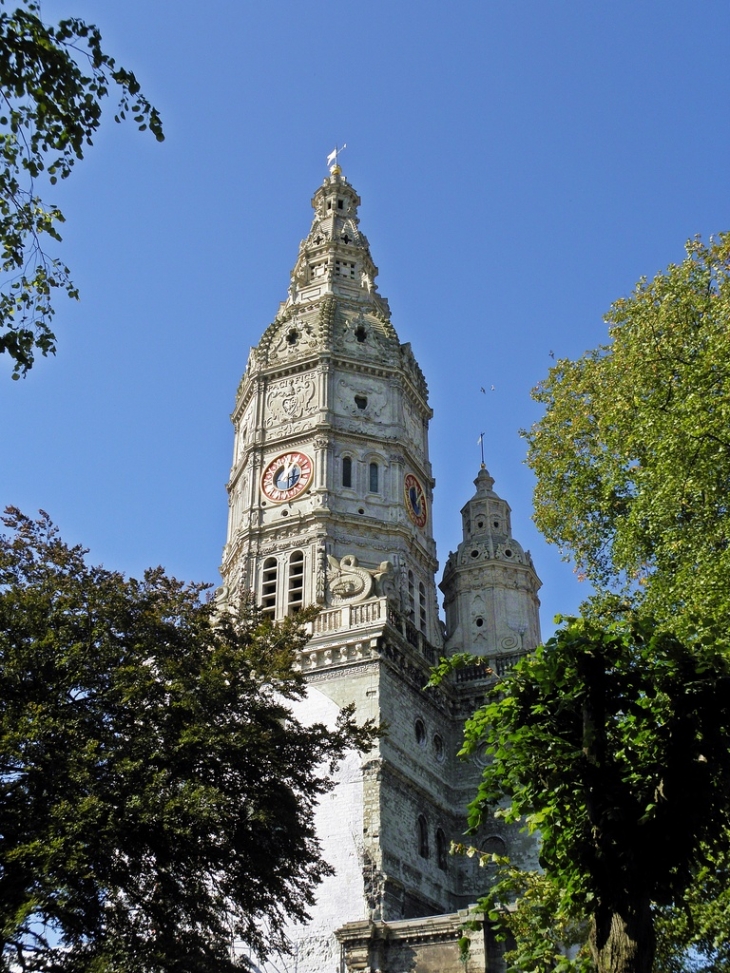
[
  {"x": 53, "y": 81},
  {"x": 612, "y": 743},
  {"x": 632, "y": 454},
  {"x": 156, "y": 789}
]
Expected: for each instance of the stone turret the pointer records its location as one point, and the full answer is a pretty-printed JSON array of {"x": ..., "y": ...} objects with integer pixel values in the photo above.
[{"x": 489, "y": 584}]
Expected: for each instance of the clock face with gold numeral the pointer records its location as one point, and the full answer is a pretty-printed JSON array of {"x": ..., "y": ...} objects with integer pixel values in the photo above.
[
  {"x": 415, "y": 498},
  {"x": 286, "y": 476}
]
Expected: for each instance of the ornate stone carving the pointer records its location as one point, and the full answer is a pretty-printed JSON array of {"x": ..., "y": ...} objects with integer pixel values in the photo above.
[
  {"x": 294, "y": 339},
  {"x": 414, "y": 426},
  {"x": 350, "y": 584},
  {"x": 478, "y": 610},
  {"x": 364, "y": 399},
  {"x": 244, "y": 430},
  {"x": 321, "y": 576},
  {"x": 363, "y": 337},
  {"x": 510, "y": 550},
  {"x": 289, "y": 400}
]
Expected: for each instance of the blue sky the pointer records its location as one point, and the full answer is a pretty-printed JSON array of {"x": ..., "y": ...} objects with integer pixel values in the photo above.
[{"x": 521, "y": 166}]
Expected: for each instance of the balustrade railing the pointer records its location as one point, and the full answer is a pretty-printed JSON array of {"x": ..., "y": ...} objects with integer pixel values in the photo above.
[{"x": 349, "y": 617}]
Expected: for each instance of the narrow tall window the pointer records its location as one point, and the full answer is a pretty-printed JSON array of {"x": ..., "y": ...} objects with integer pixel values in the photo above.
[
  {"x": 346, "y": 471},
  {"x": 422, "y": 836},
  {"x": 442, "y": 850},
  {"x": 374, "y": 478},
  {"x": 411, "y": 597},
  {"x": 421, "y": 606},
  {"x": 296, "y": 582},
  {"x": 268, "y": 587}
]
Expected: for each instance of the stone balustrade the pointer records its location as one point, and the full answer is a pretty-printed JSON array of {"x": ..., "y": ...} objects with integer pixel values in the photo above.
[{"x": 351, "y": 619}]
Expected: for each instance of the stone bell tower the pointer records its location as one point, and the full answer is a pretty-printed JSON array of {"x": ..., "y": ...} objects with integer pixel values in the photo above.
[
  {"x": 331, "y": 486},
  {"x": 330, "y": 504}
]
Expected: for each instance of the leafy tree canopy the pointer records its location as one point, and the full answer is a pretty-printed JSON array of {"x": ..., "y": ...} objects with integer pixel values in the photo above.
[
  {"x": 53, "y": 81},
  {"x": 612, "y": 743},
  {"x": 632, "y": 455},
  {"x": 156, "y": 789}
]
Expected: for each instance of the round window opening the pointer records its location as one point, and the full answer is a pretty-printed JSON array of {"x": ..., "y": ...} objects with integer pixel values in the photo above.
[
  {"x": 508, "y": 553},
  {"x": 493, "y": 845},
  {"x": 481, "y": 757},
  {"x": 420, "y": 733},
  {"x": 479, "y": 622},
  {"x": 480, "y": 524},
  {"x": 475, "y": 553}
]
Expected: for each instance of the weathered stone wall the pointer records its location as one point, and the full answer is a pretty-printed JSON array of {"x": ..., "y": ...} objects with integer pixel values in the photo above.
[
  {"x": 339, "y": 825},
  {"x": 436, "y": 944}
]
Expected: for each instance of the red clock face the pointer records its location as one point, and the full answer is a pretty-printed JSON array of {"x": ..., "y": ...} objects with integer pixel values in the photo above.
[
  {"x": 286, "y": 476},
  {"x": 415, "y": 500}
]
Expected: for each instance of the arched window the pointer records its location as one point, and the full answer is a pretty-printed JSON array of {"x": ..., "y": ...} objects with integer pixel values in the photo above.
[
  {"x": 411, "y": 597},
  {"x": 493, "y": 845},
  {"x": 422, "y": 836},
  {"x": 346, "y": 471},
  {"x": 442, "y": 850},
  {"x": 422, "y": 606},
  {"x": 420, "y": 728},
  {"x": 374, "y": 478},
  {"x": 296, "y": 582},
  {"x": 268, "y": 586}
]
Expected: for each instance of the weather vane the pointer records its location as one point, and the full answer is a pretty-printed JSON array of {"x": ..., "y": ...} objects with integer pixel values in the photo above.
[
  {"x": 333, "y": 157},
  {"x": 480, "y": 442}
]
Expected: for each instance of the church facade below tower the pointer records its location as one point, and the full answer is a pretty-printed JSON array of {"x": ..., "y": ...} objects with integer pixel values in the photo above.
[{"x": 330, "y": 501}]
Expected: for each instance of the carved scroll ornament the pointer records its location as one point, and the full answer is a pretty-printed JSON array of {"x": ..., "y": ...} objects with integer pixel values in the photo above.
[{"x": 348, "y": 583}]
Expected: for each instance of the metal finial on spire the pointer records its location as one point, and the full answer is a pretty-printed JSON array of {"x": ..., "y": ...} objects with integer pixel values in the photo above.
[
  {"x": 333, "y": 157},
  {"x": 480, "y": 442}
]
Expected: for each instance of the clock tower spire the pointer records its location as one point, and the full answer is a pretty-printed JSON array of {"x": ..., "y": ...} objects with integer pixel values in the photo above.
[
  {"x": 330, "y": 498},
  {"x": 331, "y": 485}
]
